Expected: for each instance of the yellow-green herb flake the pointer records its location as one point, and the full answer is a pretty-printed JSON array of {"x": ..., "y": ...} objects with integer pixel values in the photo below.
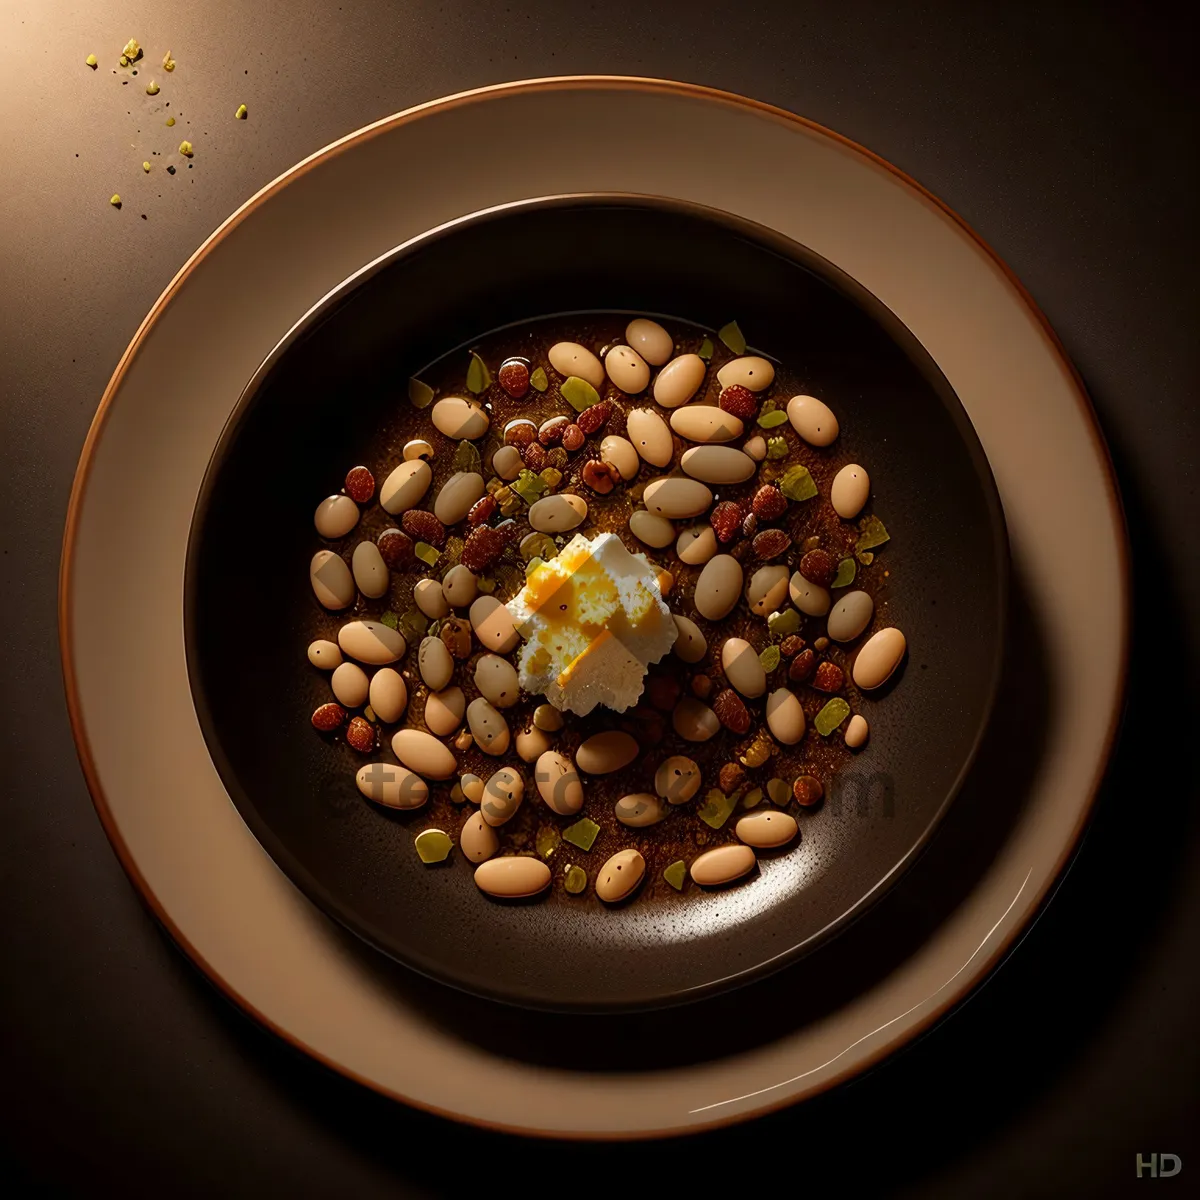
[
  {"x": 780, "y": 792},
  {"x": 479, "y": 378},
  {"x": 528, "y": 486},
  {"x": 168, "y": 62},
  {"x": 871, "y": 533},
  {"x": 433, "y": 845},
  {"x": 752, "y": 798},
  {"x": 771, "y": 416},
  {"x": 146, "y": 167},
  {"x": 777, "y": 448},
  {"x": 866, "y": 557},
  {"x": 486, "y": 584},
  {"x": 240, "y": 115},
  {"x": 578, "y": 393},
  {"x": 548, "y": 840},
  {"x": 706, "y": 350},
  {"x": 115, "y": 201},
  {"x": 846, "y": 570},
  {"x": 152, "y": 88},
  {"x": 426, "y": 553},
  {"x": 390, "y": 619},
  {"x": 769, "y": 657},
  {"x": 414, "y": 624},
  {"x": 538, "y": 380},
  {"x": 733, "y": 337},
  {"x": 582, "y": 834},
  {"x": 717, "y": 806},
  {"x": 132, "y": 50},
  {"x": 466, "y": 458},
  {"x": 91, "y": 61},
  {"x": 782, "y": 623},
  {"x": 676, "y": 873},
  {"x": 185, "y": 148},
  {"x": 420, "y": 395},
  {"x": 551, "y": 477},
  {"x": 369, "y": 713},
  {"x": 123, "y": 60},
  {"x": 535, "y": 545},
  {"x": 797, "y": 484},
  {"x": 575, "y": 880},
  {"x": 831, "y": 716},
  {"x": 170, "y": 121}
]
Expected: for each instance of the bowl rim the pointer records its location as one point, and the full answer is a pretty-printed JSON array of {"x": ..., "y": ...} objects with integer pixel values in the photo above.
[{"x": 770, "y": 240}]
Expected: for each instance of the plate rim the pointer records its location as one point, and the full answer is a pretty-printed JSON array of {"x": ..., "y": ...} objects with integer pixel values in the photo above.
[{"x": 1047, "y": 888}]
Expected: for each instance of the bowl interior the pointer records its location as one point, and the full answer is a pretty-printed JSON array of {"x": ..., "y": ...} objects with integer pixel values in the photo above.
[{"x": 317, "y": 404}]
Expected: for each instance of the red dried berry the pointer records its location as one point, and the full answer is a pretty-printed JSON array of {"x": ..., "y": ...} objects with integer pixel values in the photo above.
[
  {"x": 513, "y": 377},
  {"x": 360, "y": 485},
  {"x": 731, "y": 712},
  {"x": 456, "y": 636},
  {"x": 818, "y": 567},
  {"x": 510, "y": 531},
  {"x": 730, "y": 777},
  {"x": 802, "y": 666},
  {"x": 726, "y": 520},
  {"x": 738, "y": 402},
  {"x": 328, "y": 717},
  {"x": 771, "y": 543},
  {"x": 396, "y": 548},
  {"x": 360, "y": 733},
  {"x": 573, "y": 437},
  {"x": 769, "y": 503},
  {"x": 702, "y": 686},
  {"x": 591, "y": 419},
  {"x": 808, "y": 790},
  {"x": 482, "y": 510},
  {"x": 520, "y": 433},
  {"x": 483, "y": 547},
  {"x": 550, "y": 432},
  {"x": 599, "y": 476},
  {"x": 792, "y": 645},
  {"x": 424, "y": 527},
  {"x": 534, "y": 456},
  {"x": 663, "y": 691},
  {"x": 829, "y": 677}
]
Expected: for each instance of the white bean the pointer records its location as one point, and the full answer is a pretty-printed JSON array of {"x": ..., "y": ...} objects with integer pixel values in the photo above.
[
  {"x": 740, "y": 662},
  {"x": 350, "y": 685},
  {"x": 430, "y": 599},
  {"x": 496, "y": 679},
  {"x": 850, "y": 490},
  {"x": 619, "y": 452},
  {"x": 650, "y": 340},
  {"x": 324, "y": 654},
  {"x": 750, "y": 371},
  {"x": 679, "y": 380},
  {"x": 370, "y": 571},
  {"x": 332, "y": 583},
  {"x": 460, "y": 419},
  {"x": 652, "y": 529},
  {"x": 650, "y": 436},
  {"x": 459, "y": 586},
  {"x": 627, "y": 369},
  {"x": 850, "y": 616},
  {"x": 405, "y": 486},
  {"x": 335, "y": 517},
  {"x": 570, "y": 358},
  {"x": 812, "y": 420},
  {"x": 388, "y": 695},
  {"x": 719, "y": 587},
  {"x": 457, "y": 496}
]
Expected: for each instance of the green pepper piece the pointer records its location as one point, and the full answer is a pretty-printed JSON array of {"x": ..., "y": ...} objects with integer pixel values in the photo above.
[
  {"x": 390, "y": 619},
  {"x": 675, "y": 874},
  {"x": 466, "y": 458},
  {"x": 582, "y": 834},
  {"x": 576, "y": 880},
  {"x": 547, "y": 841},
  {"x": 578, "y": 393},
  {"x": 871, "y": 533},
  {"x": 433, "y": 846},
  {"x": 717, "y": 806},
  {"x": 866, "y": 557},
  {"x": 780, "y": 791},
  {"x": 777, "y": 448},
  {"x": 845, "y": 573},
  {"x": 426, "y": 553},
  {"x": 528, "y": 486},
  {"x": 769, "y": 658},
  {"x": 486, "y": 584},
  {"x": 752, "y": 797},
  {"x": 538, "y": 380},
  {"x": 773, "y": 419},
  {"x": 479, "y": 378},
  {"x": 706, "y": 350},
  {"x": 733, "y": 337},
  {"x": 782, "y": 623},
  {"x": 797, "y": 483},
  {"x": 831, "y": 716},
  {"x": 420, "y": 395}
]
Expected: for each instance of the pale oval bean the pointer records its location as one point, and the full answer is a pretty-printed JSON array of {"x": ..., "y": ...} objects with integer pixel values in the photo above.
[
  {"x": 512, "y": 877},
  {"x": 694, "y": 721},
  {"x": 640, "y": 810},
  {"x": 371, "y": 642},
  {"x": 719, "y": 587},
  {"x": 812, "y": 420},
  {"x": 431, "y": 599},
  {"x": 472, "y": 788},
  {"x": 417, "y": 448},
  {"x": 558, "y": 783},
  {"x": 391, "y": 786},
  {"x": 488, "y": 727},
  {"x": 335, "y": 517},
  {"x": 650, "y": 340},
  {"x": 332, "y": 583},
  {"x": 627, "y": 369},
  {"x": 652, "y": 529},
  {"x": 739, "y": 661},
  {"x": 502, "y": 796},
  {"x": 423, "y": 753},
  {"x": 350, "y": 685},
  {"x": 620, "y": 875},
  {"x": 459, "y": 586},
  {"x": 444, "y": 710},
  {"x": 435, "y": 663},
  {"x": 697, "y": 545},
  {"x": 674, "y": 497},
  {"x": 405, "y": 486},
  {"x": 723, "y": 864},
  {"x": 689, "y": 641},
  {"x": 810, "y": 599},
  {"x": 388, "y": 695},
  {"x": 850, "y": 616},
  {"x": 462, "y": 420},
  {"x": 879, "y": 658},
  {"x": 619, "y": 452},
  {"x": 324, "y": 654},
  {"x": 718, "y": 464},
  {"x": 532, "y": 743},
  {"x": 679, "y": 380},
  {"x": 496, "y": 679},
  {"x": 547, "y": 717},
  {"x": 370, "y": 571},
  {"x": 767, "y": 829},
  {"x": 493, "y": 625},
  {"x": 457, "y": 496},
  {"x": 857, "y": 732},
  {"x": 756, "y": 447},
  {"x": 507, "y": 463},
  {"x": 750, "y": 371},
  {"x": 785, "y": 717},
  {"x": 849, "y": 492},
  {"x": 706, "y": 423},
  {"x": 677, "y": 779},
  {"x": 650, "y": 436},
  {"x": 603, "y": 753},
  {"x": 558, "y": 513},
  {"x": 478, "y": 840},
  {"x": 767, "y": 591},
  {"x": 570, "y": 358}
]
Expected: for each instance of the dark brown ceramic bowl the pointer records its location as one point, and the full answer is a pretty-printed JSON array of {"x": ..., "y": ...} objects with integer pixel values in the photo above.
[{"x": 316, "y": 405}]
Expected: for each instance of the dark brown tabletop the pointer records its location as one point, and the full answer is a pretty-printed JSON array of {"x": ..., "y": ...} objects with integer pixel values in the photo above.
[{"x": 1067, "y": 138}]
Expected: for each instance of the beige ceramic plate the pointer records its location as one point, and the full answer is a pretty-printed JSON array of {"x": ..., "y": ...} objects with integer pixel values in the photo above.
[{"x": 159, "y": 796}]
